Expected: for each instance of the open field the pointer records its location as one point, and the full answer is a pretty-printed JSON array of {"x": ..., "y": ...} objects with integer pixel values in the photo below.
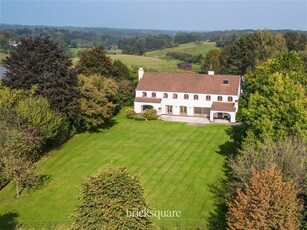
[
  {"x": 193, "y": 48},
  {"x": 177, "y": 164},
  {"x": 153, "y": 64}
]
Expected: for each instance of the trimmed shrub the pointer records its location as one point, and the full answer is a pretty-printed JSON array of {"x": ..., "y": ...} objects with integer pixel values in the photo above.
[
  {"x": 130, "y": 113},
  {"x": 151, "y": 114}
]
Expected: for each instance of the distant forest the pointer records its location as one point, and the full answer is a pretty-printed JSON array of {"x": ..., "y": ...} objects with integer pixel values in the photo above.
[{"x": 130, "y": 41}]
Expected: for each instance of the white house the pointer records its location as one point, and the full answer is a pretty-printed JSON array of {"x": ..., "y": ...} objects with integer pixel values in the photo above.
[{"x": 205, "y": 95}]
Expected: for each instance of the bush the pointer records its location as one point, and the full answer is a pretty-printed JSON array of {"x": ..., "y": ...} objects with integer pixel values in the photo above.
[
  {"x": 130, "y": 113},
  {"x": 151, "y": 114}
]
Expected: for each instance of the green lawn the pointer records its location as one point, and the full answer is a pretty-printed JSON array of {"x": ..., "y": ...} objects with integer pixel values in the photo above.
[
  {"x": 2, "y": 56},
  {"x": 177, "y": 164},
  {"x": 193, "y": 48}
]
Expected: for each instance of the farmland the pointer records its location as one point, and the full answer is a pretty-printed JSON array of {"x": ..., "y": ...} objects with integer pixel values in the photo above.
[
  {"x": 194, "y": 48},
  {"x": 178, "y": 165}
]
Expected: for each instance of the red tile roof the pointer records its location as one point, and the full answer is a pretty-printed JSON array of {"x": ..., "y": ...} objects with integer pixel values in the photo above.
[
  {"x": 223, "y": 107},
  {"x": 190, "y": 83},
  {"x": 148, "y": 99}
]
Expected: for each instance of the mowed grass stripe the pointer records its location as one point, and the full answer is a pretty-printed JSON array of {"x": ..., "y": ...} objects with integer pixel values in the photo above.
[{"x": 177, "y": 163}]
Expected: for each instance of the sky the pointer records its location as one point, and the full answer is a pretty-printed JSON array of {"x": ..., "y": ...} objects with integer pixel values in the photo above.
[{"x": 200, "y": 15}]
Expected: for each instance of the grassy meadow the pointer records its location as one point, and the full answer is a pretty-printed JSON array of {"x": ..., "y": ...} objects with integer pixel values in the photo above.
[
  {"x": 194, "y": 48},
  {"x": 178, "y": 164},
  {"x": 152, "y": 64},
  {"x": 157, "y": 60}
]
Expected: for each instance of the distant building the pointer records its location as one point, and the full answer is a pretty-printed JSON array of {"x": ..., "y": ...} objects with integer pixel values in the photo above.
[
  {"x": 196, "y": 95},
  {"x": 13, "y": 43},
  {"x": 184, "y": 66},
  {"x": 114, "y": 47}
]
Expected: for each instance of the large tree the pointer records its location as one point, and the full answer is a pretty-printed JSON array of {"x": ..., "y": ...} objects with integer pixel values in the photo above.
[
  {"x": 106, "y": 198},
  {"x": 267, "y": 202},
  {"x": 250, "y": 50},
  {"x": 95, "y": 61},
  {"x": 39, "y": 61},
  {"x": 276, "y": 101},
  {"x": 18, "y": 150},
  {"x": 97, "y": 100},
  {"x": 20, "y": 108},
  {"x": 295, "y": 41},
  {"x": 288, "y": 154},
  {"x": 211, "y": 62}
]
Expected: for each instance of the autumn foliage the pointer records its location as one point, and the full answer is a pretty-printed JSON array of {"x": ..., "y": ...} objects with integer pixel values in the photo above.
[{"x": 266, "y": 203}]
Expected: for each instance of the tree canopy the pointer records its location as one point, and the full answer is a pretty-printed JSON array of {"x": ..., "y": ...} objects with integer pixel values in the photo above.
[
  {"x": 95, "y": 61},
  {"x": 267, "y": 203},
  {"x": 276, "y": 100},
  {"x": 105, "y": 199},
  {"x": 97, "y": 100},
  {"x": 212, "y": 62},
  {"x": 39, "y": 61},
  {"x": 250, "y": 50}
]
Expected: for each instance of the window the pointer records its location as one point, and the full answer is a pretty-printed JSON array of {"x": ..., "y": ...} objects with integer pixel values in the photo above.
[
  {"x": 175, "y": 96},
  {"x": 186, "y": 96},
  {"x": 165, "y": 95},
  {"x": 225, "y": 82},
  {"x": 183, "y": 110},
  {"x": 208, "y": 98},
  {"x": 219, "y": 98},
  {"x": 169, "y": 109},
  {"x": 153, "y": 94},
  {"x": 144, "y": 94},
  {"x": 230, "y": 99},
  {"x": 195, "y": 97}
]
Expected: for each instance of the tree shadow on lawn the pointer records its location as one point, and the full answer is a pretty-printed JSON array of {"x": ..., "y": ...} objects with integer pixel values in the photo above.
[
  {"x": 8, "y": 221},
  {"x": 217, "y": 218},
  {"x": 106, "y": 126},
  {"x": 41, "y": 182}
]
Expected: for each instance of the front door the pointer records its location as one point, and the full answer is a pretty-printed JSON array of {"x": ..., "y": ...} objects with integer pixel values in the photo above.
[
  {"x": 183, "y": 110},
  {"x": 169, "y": 109}
]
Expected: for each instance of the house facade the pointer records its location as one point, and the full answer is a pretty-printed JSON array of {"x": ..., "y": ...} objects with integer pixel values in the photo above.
[{"x": 199, "y": 95}]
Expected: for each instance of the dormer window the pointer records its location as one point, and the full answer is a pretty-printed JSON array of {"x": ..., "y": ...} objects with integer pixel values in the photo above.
[
  {"x": 144, "y": 94},
  {"x": 225, "y": 82},
  {"x": 165, "y": 95},
  {"x": 153, "y": 94},
  {"x": 220, "y": 98},
  {"x": 208, "y": 98},
  {"x": 230, "y": 99},
  {"x": 186, "y": 96},
  {"x": 175, "y": 96}
]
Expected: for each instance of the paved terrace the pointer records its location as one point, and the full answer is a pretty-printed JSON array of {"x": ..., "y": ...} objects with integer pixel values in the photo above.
[{"x": 193, "y": 120}]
